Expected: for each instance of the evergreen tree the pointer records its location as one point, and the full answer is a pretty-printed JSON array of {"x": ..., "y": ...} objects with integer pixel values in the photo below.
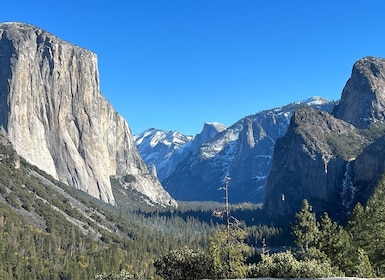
[
  {"x": 227, "y": 256},
  {"x": 367, "y": 228},
  {"x": 335, "y": 242},
  {"x": 306, "y": 228}
]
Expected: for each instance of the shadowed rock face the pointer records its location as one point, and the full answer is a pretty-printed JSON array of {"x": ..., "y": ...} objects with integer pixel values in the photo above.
[
  {"x": 363, "y": 98},
  {"x": 243, "y": 152},
  {"x": 332, "y": 160},
  {"x": 307, "y": 164},
  {"x": 54, "y": 115}
]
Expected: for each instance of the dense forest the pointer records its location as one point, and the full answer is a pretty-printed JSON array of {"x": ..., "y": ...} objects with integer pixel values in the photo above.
[{"x": 51, "y": 231}]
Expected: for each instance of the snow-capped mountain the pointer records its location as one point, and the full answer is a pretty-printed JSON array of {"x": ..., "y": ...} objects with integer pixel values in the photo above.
[
  {"x": 157, "y": 147},
  {"x": 242, "y": 152},
  {"x": 163, "y": 150}
]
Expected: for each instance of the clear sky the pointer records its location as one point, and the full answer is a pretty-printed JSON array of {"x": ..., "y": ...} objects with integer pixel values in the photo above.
[{"x": 175, "y": 64}]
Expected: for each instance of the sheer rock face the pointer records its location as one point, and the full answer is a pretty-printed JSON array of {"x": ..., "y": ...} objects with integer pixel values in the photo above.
[
  {"x": 332, "y": 160},
  {"x": 306, "y": 164},
  {"x": 243, "y": 152},
  {"x": 53, "y": 113},
  {"x": 363, "y": 98}
]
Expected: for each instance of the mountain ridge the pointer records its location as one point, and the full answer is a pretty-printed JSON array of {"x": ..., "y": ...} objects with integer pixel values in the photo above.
[
  {"x": 164, "y": 150},
  {"x": 215, "y": 159},
  {"x": 332, "y": 160}
]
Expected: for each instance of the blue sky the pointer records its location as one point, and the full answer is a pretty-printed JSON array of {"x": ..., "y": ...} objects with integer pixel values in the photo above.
[{"x": 175, "y": 64}]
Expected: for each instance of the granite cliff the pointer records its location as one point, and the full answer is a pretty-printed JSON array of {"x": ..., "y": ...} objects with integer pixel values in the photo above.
[
  {"x": 53, "y": 113},
  {"x": 243, "y": 152},
  {"x": 332, "y": 160},
  {"x": 363, "y": 97}
]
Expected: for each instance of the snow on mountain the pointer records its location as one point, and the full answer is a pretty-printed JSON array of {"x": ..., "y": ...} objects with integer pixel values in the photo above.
[
  {"x": 165, "y": 149},
  {"x": 157, "y": 147},
  {"x": 243, "y": 152}
]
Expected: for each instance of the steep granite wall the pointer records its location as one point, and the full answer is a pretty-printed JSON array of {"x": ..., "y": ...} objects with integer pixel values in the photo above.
[
  {"x": 363, "y": 98},
  {"x": 332, "y": 160},
  {"x": 56, "y": 118}
]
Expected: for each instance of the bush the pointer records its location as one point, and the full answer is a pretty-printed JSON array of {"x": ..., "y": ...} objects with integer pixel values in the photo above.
[
  {"x": 183, "y": 264},
  {"x": 285, "y": 265},
  {"x": 123, "y": 275}
]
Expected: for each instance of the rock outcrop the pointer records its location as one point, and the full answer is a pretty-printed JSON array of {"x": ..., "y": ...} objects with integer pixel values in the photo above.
[
  {"x": 209, "y": 131},
  {"x": 363, "y": 98},
  {"x": 164, "y": 150},
  {"x": 309, "y": 162},
  {"x": 53, "y": 113},
  {"x": 243, "y": 152},
  {"x": 332, "y": 160}
]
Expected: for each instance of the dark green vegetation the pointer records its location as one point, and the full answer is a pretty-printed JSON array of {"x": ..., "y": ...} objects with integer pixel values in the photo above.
[
  {"x": 51, "y": 231},
  {"x": 323, "y": 249},
  {"x": 351, "y": 145}
]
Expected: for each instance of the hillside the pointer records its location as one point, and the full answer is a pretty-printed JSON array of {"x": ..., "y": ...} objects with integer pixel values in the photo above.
[{"x": 51, "y": 230}]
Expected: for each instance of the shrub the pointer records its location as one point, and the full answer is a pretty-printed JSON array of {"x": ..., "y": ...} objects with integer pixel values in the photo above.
[
  {"x": 285, "y": 265},
  {"x": 183, "y": 264}
]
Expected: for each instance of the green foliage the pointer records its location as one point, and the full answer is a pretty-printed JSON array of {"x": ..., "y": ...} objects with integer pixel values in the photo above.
[
  {"x": 347, "y": 146},
  {"x": 285, "y": 265},
  {"x": 38, "y": 241},
  {"x": 375, "y": 131},
  {"x": 306, "y": 228},
  {"x": 351, "y": 145},
  {"x": 183, "y": 264},
  {"x": 336, "y": 243},
  {"x": 227, "y": 253},
  {"x": 59, "y": 232},
  {"x": 367, "y": 228},
  {"x": 224, "y": 258},
  {"x": 329, "y": 243}
]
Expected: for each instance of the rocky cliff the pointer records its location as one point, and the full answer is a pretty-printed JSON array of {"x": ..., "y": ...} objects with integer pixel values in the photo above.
[
  {"x": 363, "y": 97},
  {"x": 332, "y": 160},
  {"x": 52, "y": 111},
  {"x": 243, "y": 152},
  {"x": 164, "y": 150}
]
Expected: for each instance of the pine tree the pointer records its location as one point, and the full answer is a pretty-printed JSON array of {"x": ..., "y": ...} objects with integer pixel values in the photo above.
[
  {"x": 367, "y": 228},
  {"x": 335, "y": 242},
  {"x": 306, "y": 228},
  {"x": 227, "y": 257}
]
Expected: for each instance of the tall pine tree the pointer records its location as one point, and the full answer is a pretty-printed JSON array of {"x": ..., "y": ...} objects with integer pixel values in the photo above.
[{"x": 306, "y": 228}]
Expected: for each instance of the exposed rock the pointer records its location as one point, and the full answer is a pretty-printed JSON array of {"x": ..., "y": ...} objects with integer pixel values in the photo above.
[
  {"x": 209, "y": 131},
  {"x": 243, "y": 152},
  {"x": 54, "y": 115},
  {"x": 364, "y": 173},
  {"x": 363, "y": 98},
  {"x": 166, "y": 149},
  {"x": 333, "y": 162},
  {"x": 309, "y": 163},
  {"x": 162, "y": 150}
]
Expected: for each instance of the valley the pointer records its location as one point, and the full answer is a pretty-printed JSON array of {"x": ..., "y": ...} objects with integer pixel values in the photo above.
[{"x": 83, "y": 198}]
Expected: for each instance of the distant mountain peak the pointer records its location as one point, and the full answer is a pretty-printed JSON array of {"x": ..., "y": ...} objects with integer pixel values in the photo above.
[
  {"x": 242, "y": 151},
  {"x": 315, "y": 100},
  {"x": 165, "y": 149}
]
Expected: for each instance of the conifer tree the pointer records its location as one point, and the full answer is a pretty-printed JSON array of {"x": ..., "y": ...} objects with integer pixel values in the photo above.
[
  {"x": 367, "y": 228},
  {"x": 306, "y": 228}
]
